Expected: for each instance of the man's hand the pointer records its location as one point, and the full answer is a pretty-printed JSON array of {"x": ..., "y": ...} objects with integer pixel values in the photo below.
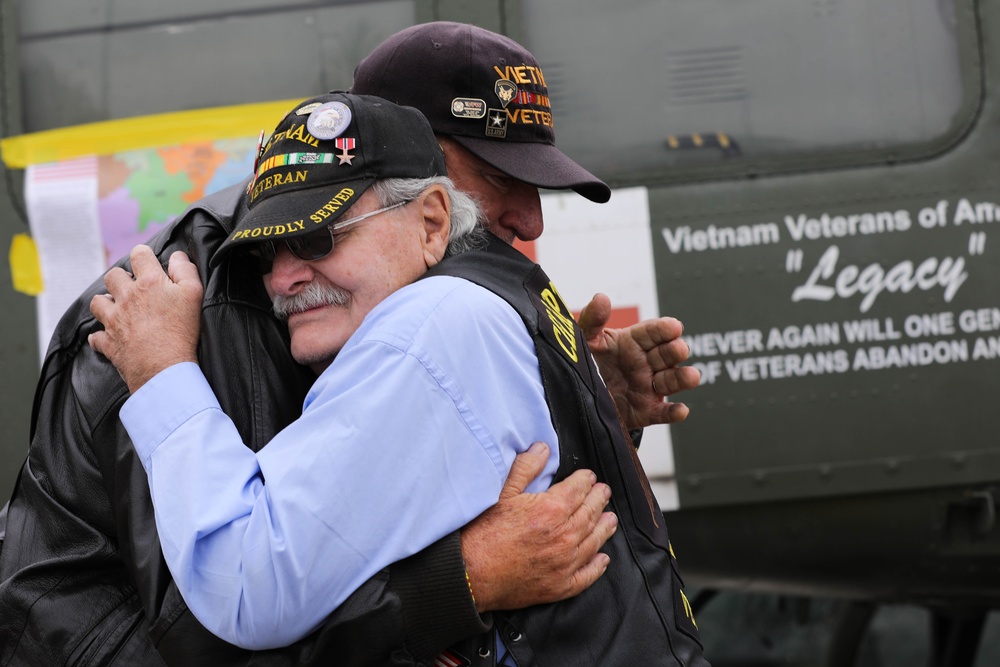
[
  {"x": 151, "y": 319},
  {"x": 640, "y": 364},
  {"x": 533, "y": 548}
]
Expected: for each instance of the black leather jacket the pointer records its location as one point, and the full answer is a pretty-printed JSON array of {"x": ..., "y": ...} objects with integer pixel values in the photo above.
[{"x": 82, "y": 579}]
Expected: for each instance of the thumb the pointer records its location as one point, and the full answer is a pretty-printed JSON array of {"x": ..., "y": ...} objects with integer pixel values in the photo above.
[
  {"x": 595, "y": 316},
  {"x": 181, "y": 269},
  {"x": 526, "y": 467}
]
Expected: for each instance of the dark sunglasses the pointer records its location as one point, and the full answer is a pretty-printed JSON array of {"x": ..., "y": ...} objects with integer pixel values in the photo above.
[{"x": 312, "y": 246}]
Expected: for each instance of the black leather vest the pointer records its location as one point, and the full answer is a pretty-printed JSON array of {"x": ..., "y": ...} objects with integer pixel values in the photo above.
[{"x": 637, "y": 613}]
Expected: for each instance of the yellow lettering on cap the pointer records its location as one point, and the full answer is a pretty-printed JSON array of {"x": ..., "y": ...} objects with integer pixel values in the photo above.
[
  {"x": 255, "y": 233},
  {"x": 332, "y": 206},
  {"x": 529, "y": 117},
  {"x": 522, "y": 74},
  {"x": 296, "y": 226}
]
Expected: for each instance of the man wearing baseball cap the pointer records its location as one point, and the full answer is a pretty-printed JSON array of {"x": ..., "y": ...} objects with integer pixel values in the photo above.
[
  {"x": 350, "y": 204},
  {"x": 486, "y": 98}
]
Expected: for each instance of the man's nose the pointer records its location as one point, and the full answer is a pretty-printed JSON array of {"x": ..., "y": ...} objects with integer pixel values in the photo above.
[
  {"x": 289, "y": 274},
  {"x": 524, "y": 212}
]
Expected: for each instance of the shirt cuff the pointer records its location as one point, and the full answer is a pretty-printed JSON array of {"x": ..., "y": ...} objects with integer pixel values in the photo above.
[{"x": 169, "y": 399}]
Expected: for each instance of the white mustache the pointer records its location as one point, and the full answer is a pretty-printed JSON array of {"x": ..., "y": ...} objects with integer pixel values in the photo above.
[{"x": 313, "y": 296}]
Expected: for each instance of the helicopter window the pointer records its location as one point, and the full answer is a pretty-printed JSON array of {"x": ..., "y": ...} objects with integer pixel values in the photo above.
[
  {"x": 92, "y": 60},
  {"x": 638, "y": 84}
]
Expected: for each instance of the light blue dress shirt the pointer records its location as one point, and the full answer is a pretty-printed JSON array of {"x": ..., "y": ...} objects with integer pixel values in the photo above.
[{"x": 405, "y": 438}]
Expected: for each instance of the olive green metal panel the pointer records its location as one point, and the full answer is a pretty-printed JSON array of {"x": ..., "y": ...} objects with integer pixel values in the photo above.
[
  {"x": 822, "y": 379},
  {"x": 18, "y": 348},
  {"x": 484, "y": 14},
  {"x": 922, "y": 545},
  {"x": 168, "y": 58}
]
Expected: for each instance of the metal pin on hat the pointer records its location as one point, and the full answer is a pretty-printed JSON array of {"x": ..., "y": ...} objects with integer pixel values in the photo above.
[{"x": 256, "y": 160}]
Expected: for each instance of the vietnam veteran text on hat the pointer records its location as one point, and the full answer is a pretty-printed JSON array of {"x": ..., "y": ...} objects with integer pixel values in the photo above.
[
  {"x": 324, "y": 155},
  {"x": 485, "y": 91}
]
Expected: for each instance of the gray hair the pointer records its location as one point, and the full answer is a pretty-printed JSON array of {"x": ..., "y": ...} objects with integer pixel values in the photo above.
[{"x": 467, "y": 231}]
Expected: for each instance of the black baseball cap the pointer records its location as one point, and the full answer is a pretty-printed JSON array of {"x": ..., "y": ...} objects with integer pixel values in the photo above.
[
  {"x": 327, "y": 152},
  {"x": 485, "y": 91}
]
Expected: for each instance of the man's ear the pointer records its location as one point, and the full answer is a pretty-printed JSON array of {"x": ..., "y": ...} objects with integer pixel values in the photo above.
[{"x": 435, "y": 206}]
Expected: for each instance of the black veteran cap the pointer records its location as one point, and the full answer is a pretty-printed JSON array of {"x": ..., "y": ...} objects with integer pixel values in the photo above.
[
  {"x": 324, "y": 155},
  {"x": 485, "y": 91}
]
